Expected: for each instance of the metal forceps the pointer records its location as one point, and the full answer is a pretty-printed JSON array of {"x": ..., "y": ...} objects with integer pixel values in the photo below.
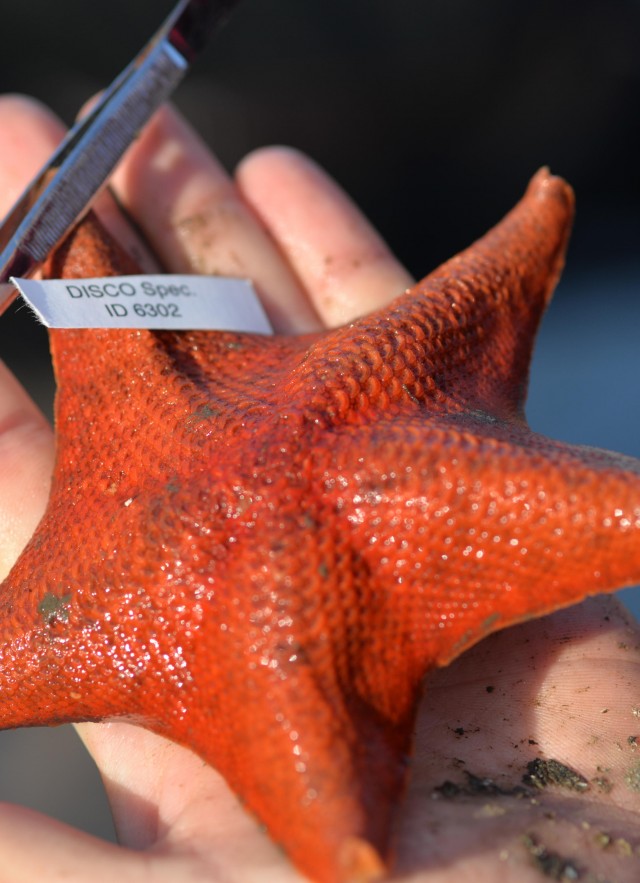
[{"x": 63, "y": 190}]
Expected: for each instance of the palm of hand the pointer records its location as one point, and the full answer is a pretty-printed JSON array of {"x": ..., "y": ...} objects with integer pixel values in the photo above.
[{"x": 551, "y": 680}]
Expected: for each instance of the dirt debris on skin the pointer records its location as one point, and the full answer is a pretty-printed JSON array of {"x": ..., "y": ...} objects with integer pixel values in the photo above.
[
  {"x": 554, "y": 866},
  {"x": 632, "y": 777},
  {"x": 545, "y": 848},
  {"x": 542, "y": 773},
  {"x": 551, "y": 864},
  {"x": 508, "y": 795},
  {"x": 619, "y": 845},
  {"x": 603, "y": 784},
  {"x": 477, "y": 786}
]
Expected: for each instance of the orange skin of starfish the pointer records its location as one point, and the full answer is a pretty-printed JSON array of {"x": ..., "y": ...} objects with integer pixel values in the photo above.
[{"x": 258, "y": 546}]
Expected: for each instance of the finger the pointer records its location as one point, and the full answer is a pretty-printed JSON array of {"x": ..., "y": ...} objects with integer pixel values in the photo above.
[
  {"x": 150, "y": 782},
  {"x": 30, "y": 133},
  {"x": 165, "y": 798},
  {"x": 194, "y": 219},
  {"x": 35, "y": 848},
  {"x": 61, "y": 853},
  {"x": 26, "y": 445},
  {"x": 340, "y": 259},
  {"x": 26, "y": 462}
]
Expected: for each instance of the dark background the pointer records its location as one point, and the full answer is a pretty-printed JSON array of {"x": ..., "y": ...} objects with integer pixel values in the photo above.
[{"x": 433, "y": 115}]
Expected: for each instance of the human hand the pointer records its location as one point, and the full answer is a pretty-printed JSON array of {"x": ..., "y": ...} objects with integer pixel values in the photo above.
[{"x": 316, "y": 262}]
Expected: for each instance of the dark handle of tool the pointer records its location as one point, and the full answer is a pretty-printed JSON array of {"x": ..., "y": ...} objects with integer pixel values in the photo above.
[{"x": 194, "y": 26}]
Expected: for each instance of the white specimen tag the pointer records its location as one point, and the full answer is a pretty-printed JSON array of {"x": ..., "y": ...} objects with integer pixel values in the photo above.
[{"x": 170, "y": 302}]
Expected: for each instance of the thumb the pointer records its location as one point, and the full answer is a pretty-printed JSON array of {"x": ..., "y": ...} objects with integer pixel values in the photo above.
[
  {"x": 167, "y": 800},
  {"x": 34, "y": 847}
]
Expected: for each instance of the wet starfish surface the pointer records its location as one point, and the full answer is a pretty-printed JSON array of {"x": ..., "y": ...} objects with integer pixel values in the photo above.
[{"x": 258, "y": 546}]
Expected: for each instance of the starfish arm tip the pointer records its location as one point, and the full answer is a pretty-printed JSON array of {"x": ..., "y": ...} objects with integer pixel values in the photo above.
[
  {"x": 360, "y": 862},
  {"x": 545, "y": 184}
]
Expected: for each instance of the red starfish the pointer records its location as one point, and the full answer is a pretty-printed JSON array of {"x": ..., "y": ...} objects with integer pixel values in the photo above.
[{"x": 259, "y": 546}]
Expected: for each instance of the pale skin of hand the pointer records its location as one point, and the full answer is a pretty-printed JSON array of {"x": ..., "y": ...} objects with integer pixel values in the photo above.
[{"x": 562, "y": 687}]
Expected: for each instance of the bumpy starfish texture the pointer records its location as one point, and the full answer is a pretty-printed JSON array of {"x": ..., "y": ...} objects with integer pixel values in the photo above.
[{"x": 259, "y": 546}]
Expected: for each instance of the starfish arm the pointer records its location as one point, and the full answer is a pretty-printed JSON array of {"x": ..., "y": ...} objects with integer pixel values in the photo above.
[
  {"x": 465, "y": 333},
  {"x": 291, "y": 735},
  {"x": 467, "y": 527},
  {"x": 164, "y": 400},
  {"x": 246, "y": 679}
]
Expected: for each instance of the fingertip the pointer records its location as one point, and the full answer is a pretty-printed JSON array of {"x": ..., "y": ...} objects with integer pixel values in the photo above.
[
  {"x": 194, "y": 219},
  {"x": 339, "y": 257},
  {"x": 30, "y": 117},
  {"x": 165, "y": 153},
  {"x": 30, "y": 133},
  {"x": 276, "y": 172},
  {"x": 62, "y": 853},
  {"x": 263, "y": 161}
]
